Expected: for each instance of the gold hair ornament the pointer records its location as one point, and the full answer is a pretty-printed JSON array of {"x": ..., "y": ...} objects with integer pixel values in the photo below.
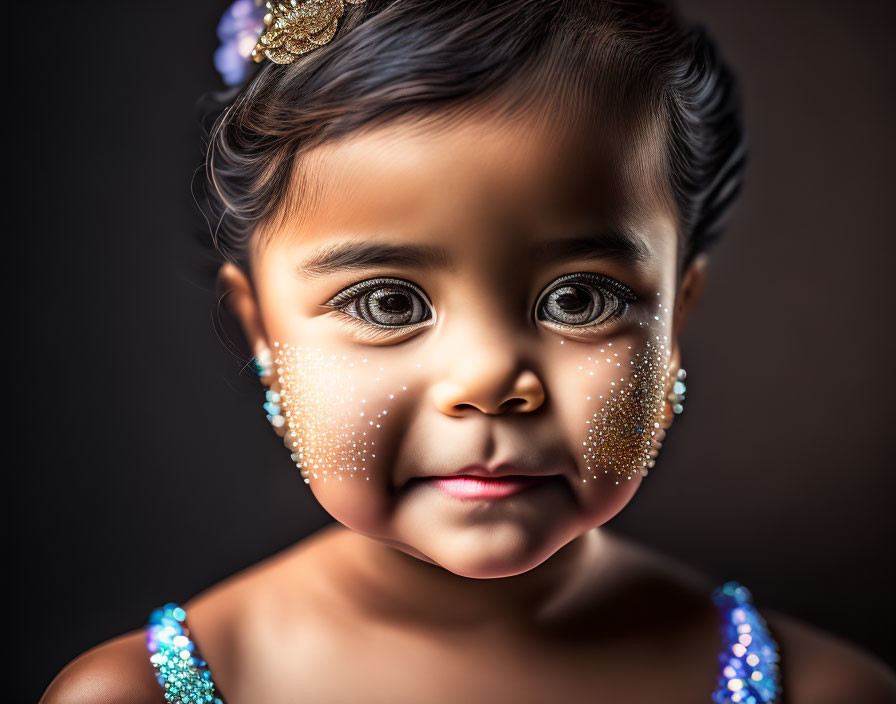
[{"x": 296, "y": 27}]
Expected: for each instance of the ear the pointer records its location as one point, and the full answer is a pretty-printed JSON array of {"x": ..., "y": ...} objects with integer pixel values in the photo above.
[
  {"x": 240, "y": 298},
  {"x": 688, "y": 292}
]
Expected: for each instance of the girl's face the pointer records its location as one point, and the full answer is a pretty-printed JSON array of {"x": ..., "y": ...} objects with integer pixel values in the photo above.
[{"x": 485, "y": 293}]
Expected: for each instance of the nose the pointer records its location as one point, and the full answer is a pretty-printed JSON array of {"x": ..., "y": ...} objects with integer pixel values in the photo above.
[{"x": 489, "y": 377}]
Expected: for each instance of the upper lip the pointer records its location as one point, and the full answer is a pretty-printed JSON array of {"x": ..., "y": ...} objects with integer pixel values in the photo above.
[{"x": 503, "y": 469}]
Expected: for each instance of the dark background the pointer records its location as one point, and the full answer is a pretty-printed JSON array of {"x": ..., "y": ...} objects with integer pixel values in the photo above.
[{"x": 143, "y": 469}]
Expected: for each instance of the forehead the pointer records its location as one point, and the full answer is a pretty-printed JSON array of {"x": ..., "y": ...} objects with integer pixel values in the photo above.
[{"x": 476, "y": 178}]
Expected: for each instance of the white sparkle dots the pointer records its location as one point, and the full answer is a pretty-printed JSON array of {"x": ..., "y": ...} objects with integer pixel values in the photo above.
[
  {"x": 621, "y": 432},
  {"x": 332, "y": 425}
]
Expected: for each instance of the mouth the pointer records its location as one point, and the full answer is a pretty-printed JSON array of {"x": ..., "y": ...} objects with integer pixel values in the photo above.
[{"x": 468, "y": 486}]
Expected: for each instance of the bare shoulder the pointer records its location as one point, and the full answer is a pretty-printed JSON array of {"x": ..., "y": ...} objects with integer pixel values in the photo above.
[
  {"x": 636, "y": 566},
  {"x": 819, "y": 668},
  {"x": 628, "y": 586},
  {"x": 273, "y": 589},
  {"x": 115, "y": 672},
  {"x": 235, "y": 625},
  {"x": 244, "y": 625}
]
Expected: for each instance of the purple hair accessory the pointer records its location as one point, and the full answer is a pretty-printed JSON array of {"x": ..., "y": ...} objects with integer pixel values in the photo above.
[{"x": 240, "y": 26}]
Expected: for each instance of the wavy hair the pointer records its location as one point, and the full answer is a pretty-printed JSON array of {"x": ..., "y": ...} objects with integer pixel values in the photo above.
[{"x": 397, "y": 58}]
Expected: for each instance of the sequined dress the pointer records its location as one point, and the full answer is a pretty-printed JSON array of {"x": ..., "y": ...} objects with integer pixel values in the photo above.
[{"x": 748, "y": 658}]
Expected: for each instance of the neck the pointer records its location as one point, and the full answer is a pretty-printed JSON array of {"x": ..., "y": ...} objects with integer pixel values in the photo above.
[{"x": 390, "y": 584}]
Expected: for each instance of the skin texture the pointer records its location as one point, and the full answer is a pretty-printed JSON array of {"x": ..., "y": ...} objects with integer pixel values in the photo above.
[{"x": 418, "y": 596}]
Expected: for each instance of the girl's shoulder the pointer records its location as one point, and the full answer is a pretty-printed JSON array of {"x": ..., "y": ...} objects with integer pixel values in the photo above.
[
  {"x": 115, "y": 672},
  {"x": 225, "y": 621},
  {"x": 815, "y": 666},
  {"x": 230, "y": 621},
  {"x": 820, "y": 667}
]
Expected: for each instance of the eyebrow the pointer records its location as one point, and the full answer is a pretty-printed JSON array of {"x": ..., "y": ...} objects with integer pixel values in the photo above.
[
  {"x": 614, "y": 243},
  {"x": 618, "y": 244},
  {"x": 361, "y": 255}
]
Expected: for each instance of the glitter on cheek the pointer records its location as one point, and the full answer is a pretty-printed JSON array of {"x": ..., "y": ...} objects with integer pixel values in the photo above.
[
  {"x": 621, "y": 433},
  {"x": 335, "y": 407}
]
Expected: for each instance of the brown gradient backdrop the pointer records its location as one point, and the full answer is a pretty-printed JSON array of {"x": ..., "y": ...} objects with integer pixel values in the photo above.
[{"x": 141, "y": 464}]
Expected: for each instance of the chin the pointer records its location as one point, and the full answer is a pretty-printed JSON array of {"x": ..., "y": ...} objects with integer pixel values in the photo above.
[{"x": 500, "y": 552}]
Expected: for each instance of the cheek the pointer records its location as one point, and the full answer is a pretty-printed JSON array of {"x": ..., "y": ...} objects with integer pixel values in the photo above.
[
  {"x": 615, "y": 402},
  {"x": 628, "y": 415},
  {"x": 343, "y": 422}
]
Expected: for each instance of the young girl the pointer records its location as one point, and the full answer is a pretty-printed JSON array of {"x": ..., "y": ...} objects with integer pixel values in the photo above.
[{"x": 463, "y": 238}]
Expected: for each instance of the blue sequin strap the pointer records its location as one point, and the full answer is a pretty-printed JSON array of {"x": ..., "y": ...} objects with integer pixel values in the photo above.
[
  {"x": 182, "y": 673},
  {"x": 749, "y": 660}
]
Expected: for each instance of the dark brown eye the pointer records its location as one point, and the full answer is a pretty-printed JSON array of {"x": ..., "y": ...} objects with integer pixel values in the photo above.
[
  {"x": 383, "y": 303},
  {"x": 583, "y": 299}
]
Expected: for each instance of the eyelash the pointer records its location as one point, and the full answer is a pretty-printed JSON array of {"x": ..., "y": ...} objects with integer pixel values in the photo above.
[
  {"x": 618, "y": 294},
  {"x": 354, "y": 293}
]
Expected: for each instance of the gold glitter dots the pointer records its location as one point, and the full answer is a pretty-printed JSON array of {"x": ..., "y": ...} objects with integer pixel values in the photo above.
[
  {"x": 324, "y": 439},
  {"x": 619, "y": 435},
  {"x": 621, "y": 438},
  {"x": 331, "y": 426}
]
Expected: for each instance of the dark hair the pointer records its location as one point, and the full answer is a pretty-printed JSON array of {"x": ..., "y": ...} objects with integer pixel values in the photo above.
[{"x": 399, "y": 58}]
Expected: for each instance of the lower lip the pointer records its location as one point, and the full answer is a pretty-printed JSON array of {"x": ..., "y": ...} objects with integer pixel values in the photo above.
[{"x": 469, "y": 487}]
